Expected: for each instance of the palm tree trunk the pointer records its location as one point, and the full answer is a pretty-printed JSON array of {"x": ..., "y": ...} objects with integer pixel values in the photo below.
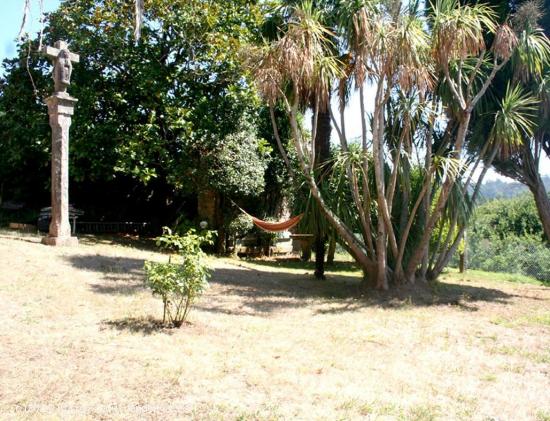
[
  {"x": 320, "y": 249},
  {"x": 543, "y": 203},
  {"x": 322, "y": 154},
  {"x": 356, "y": 249},
  {"x": 381, "y": 245},
  {"x": 427, "y": 198},
  {"x": 331, "y": 249},
  {"x": 448, "y": 252},
  {"x": 279, "y": 143},
  {"x": 416, "y": 258}
]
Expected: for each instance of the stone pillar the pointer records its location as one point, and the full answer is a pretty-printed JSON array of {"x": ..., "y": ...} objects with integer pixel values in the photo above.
[{"x": 60, "y": 109}]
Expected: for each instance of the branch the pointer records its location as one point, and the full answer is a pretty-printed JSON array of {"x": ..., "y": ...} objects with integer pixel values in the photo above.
[
  {"x": 393, "y": 179},
  {"x": 341, "y": 135},
  {"x": 452, "y": 86},
  {"x": 474, "y": 73},
  {"x": 378, "y": 156},
  {"x": 358, "y": 250},
  {"x": 139, "y": 8},
  {"x": 26, "y": 12},
  {"x": 42, "y": 18},
  {"x": 364, "y": 216},
  {"x": 486, "y": 84},
  {"x": 314, "y": 129},
  {"x": 279, "y": 143}
]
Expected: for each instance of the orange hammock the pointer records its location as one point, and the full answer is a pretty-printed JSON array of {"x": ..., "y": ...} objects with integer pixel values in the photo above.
[
  {"x": 276, "y": 226},
  {"x": 273, "y": 226}
]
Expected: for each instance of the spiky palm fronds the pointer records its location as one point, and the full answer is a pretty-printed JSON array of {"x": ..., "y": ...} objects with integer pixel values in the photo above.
[
  {"x": 505, "y": 42},
  {"x": 445, "y": 167},
  {"x": 386, "y": 43},
  {"x": 532, "y": 53},
  {"x": 459, "y": 30},
  {"x": 414, "y": 70},
  {"x": 514, "y": 121},
  {"x": 302, "y": 56}
]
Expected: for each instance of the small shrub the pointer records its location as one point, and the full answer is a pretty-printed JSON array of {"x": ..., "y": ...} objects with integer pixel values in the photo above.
[
  {"x": 179, "y": 283},
  {"x": 240, "y": 226}
]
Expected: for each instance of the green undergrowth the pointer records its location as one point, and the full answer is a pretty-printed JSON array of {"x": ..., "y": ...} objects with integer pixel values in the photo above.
[{"x": 479, "y": 275}]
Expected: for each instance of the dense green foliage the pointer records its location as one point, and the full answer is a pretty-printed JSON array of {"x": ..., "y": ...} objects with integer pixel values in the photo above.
[
  {"x": 522, "y": 255},
  {"x": 24, "y": 131},
  {"x": 240, "y": 226},
  {"x": 157, "y": 120},
  {"x": 502, "y": 218},
  {"x": 180, "y": 283},
  {"x": 506, "y": 236}
]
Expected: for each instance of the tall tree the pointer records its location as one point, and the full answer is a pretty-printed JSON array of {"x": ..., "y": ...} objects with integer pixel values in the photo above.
[
  {"x": 522, "y": 160},
  {"x": 278, "y": 18},
  {"x": 166, "y": 115},
  {"x": 444, "y": 67}
]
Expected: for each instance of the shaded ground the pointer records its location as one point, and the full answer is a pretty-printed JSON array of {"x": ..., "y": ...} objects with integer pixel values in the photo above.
[{"x": 80, "y": 339}]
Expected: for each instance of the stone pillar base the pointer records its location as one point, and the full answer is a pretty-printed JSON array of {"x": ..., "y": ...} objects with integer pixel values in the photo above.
[{"x": 60, "y": 241}]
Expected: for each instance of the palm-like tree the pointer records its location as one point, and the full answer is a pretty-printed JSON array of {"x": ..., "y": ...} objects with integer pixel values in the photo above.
[
  {"x": 512, "y": 122},
  {"x": 531, "y": 69},
  {"x": 428, "y": 77},
  {"x": 323, "y": 12}
]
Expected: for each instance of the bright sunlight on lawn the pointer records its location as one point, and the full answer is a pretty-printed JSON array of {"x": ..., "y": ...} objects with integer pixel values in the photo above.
[{"x": 80, "y": 340}]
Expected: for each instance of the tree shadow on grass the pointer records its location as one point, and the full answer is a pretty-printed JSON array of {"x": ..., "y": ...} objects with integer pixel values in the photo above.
[
  {"x": 297, "y": 263},
  {"x": 128, "y": 240},
  {"x": 244, "y": 291},
  {"x": 265, "y": 292},
  {"x": 120, "y": 275},
  {"x": 143, "y": 325}
]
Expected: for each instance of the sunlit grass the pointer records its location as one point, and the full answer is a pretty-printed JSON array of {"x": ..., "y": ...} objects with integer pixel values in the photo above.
[
  {"x": 480, "y": 275},
  {"x": 266, "y": 342}
]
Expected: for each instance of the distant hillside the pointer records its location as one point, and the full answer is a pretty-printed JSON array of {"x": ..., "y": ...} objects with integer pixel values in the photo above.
[{"x": 498, "y": 189}]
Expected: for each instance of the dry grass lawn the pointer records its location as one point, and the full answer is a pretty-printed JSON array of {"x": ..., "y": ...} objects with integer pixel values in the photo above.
[{"x": 79, "y": 340}]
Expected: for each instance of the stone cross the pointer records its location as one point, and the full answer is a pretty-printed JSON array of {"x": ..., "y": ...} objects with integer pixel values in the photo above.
[{"x": 60, "y": 109}]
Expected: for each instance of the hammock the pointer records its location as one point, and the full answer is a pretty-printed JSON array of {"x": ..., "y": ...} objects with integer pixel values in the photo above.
[
  {"x": 273, "y": 226},
  {"x": 276, "y": 226}
]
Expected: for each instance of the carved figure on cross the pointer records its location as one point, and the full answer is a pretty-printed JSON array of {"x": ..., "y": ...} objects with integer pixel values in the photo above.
[{"x": 62, "y": 60}]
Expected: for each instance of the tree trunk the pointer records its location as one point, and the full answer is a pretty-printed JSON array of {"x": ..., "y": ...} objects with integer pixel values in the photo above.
[
  {"x": 432, "y": 219},
  {"x": 220, "y": 226},
  {"x": 207, "y": 203},
  {"x": 356, "y": 249},
  {"x": 210, "y": 206},
  {"x": 543, "y": 204},
  {"x": 322, "y": 154},
  {"x": 427, "y": 199},
  {"x": 381, "y": 244},
  {"x": 463, "y": 256},
  {"x": 331, "y": 250},
  {"x": 320, "y": 249}
]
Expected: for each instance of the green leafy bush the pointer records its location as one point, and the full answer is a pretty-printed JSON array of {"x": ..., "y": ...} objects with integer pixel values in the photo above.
[
  {"x": 512, "y": 254},
  {"x": 506, "y": 217},
  {"x": 506, "y": 235},
  {"x": 240, "y": 226},
  {"x": 180, "y": 282}
]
